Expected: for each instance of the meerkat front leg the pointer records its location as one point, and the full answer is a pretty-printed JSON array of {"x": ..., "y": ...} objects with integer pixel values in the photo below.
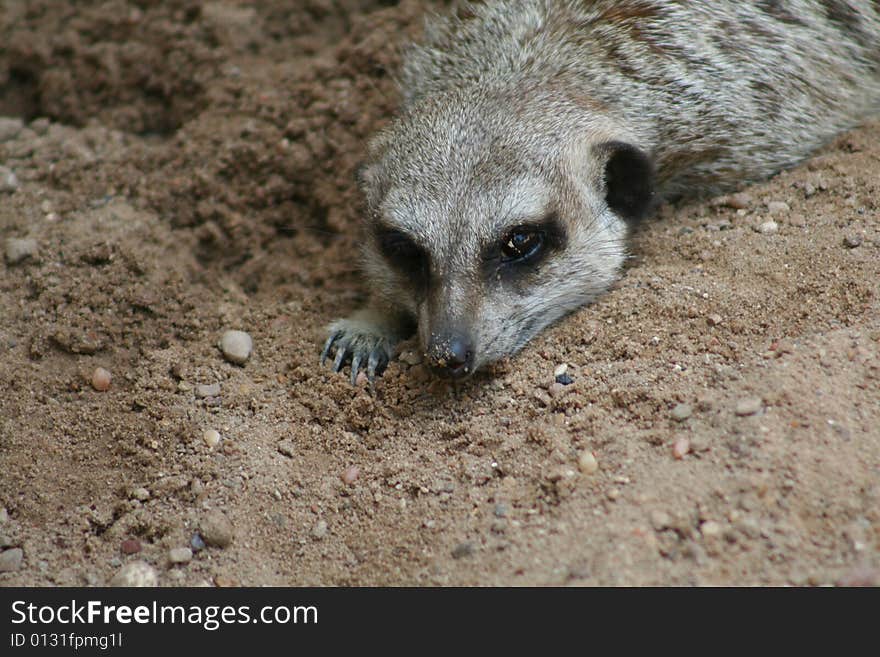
[{"x": 367, "y": 338}]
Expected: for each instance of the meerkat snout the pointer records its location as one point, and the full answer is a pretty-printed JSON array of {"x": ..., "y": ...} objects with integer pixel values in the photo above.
[{"x": 451, "y": 356}]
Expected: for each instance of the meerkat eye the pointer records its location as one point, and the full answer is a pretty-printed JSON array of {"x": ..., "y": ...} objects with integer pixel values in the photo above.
[{"x": 522, "y": 244}]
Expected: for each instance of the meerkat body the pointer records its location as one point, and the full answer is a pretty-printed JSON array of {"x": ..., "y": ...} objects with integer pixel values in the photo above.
[{"x": 534, "y": 133}]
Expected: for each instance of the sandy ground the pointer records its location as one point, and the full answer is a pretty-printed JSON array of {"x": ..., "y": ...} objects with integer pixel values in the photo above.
[{"x": 186, "y": 167}]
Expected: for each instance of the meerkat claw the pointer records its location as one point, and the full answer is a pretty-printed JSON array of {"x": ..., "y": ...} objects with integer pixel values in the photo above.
[
  {"x": 341, "y": 353},
  {"x": 376, "y": 364},
  {"x": 329, "y": 344},
  {"x": 355, "y": 366}
]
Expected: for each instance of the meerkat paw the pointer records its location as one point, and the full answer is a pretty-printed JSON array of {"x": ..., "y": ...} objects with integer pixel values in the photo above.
[{"x": 366, "y": 339}]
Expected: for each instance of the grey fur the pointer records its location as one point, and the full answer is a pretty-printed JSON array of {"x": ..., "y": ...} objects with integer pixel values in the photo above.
[{"x": 507, "y": 111}]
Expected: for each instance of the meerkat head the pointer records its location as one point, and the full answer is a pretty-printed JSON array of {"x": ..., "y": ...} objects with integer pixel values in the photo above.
[{"x": 489, "y": 218}]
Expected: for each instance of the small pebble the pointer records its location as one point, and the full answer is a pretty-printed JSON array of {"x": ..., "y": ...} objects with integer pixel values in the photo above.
[
  {"x": 180, "y": 555},
  {"x": 710, "y": 529},
  {"x": 714, "y": 320},
  {"x": 560, "y": 370},
  {"x": 136, "y": 573},
  {"x": 130, "y": 546},
  {"x": 852, "y": 241},
  {"x": 4, "y": 515},
  {"x": 748, "y": 406},
  {"x": 350, "y": 475},
  {"x": 809, "y": 190},
  {"x": 739, "y": 201},
  {"x": 18, "y": 249},
  {"x": 10, "y": 560},
  {"x": 557, "y": 390},
  {"x": 542, "y": 397},
  {"x": 778, "y": 207},
  {"x": 236, "y": 346},
  {"x": 681, "y": 447},
  {"x": 587, "y": 462},
  {"x": 101, "y": 379},
  {"x": 8, "y": 180},
  {"x": 197, "y": 543},
  {"x": 287, "y": 448},
  {"x": 141, "y": 494},
  {"x": 501, "y": 510},
  {"x": 208, "y": 390},
  {"x": 216, "y": 529},
  {"x": 211, "y": 438},
  {"x": 564, "y": 379},
  {"x": 319, "y": 531},
  {"x": 768, "y": 227},
  {"x": 682, "y": 412},
  {"x": 10, "y": 127},
  {"x": 660, "y": 520}
]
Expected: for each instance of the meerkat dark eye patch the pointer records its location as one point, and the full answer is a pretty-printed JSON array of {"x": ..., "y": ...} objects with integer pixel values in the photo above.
[
  {"x": 629, "y": 180},
  {"x": 403, "y": 253}
]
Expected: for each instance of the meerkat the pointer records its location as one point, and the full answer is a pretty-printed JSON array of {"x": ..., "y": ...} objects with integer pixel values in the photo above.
[{"x": 534, "y": 134}]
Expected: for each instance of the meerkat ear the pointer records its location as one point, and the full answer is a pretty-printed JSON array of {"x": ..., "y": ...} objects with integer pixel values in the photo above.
[{"x": 629, "y": 180}]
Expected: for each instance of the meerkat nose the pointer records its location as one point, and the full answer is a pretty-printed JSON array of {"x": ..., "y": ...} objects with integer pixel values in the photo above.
[{"x": 452, "y": 356}]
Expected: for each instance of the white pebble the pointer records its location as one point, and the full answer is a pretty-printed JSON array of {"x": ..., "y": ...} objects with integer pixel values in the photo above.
[
  {"x": 136, "y": 573},
  {"x": 236, "y": 346},
  {"x": 208, "y": 390},
  {"x": 8, "y": 180},
  {"x": 710, "y": 529},
  {"x": 778, "y": 207},
  {"x": 350, "y": 475},
  {"x": 10, "y": 560},
  {"x": 748, "y": 406},
  {"x": 587, "y": 462},
  {"x": 320, "y": 529},
  {"x": 680, "y": 448},
  {"x": 681, "y": 412},
  {"x": 560, "y": 370},
  {"x": 211, "y": 438},
  {"x": 141, "y": 494},
  {"x": 768, "y": 227},
  {"x": 18, "y": 249},
  {"x": 180, "y": 555},
  {"x": 660, "y": 520}
]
